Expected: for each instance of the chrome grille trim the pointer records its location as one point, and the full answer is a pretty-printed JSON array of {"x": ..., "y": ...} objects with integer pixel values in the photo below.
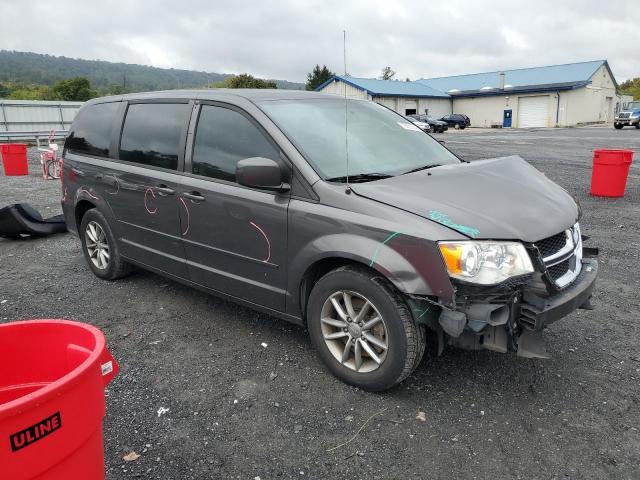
[{"x": 572, "y": 252}]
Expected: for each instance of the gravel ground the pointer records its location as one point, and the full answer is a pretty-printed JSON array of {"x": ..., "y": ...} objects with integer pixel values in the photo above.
[{"x": 237, "y": 409}]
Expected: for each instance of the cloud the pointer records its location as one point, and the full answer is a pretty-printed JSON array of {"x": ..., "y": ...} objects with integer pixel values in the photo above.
[{"x": 285, "y": 39}]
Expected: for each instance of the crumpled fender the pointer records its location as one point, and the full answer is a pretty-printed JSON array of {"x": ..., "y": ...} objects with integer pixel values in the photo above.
[{"x": 414, "y": 265}]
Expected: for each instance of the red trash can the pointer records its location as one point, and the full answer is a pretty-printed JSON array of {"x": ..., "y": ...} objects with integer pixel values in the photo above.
[
  {"x": 610, "y": 170},
  {"x": 14, "y": 159},
  {"x": 52, "y": 379}
]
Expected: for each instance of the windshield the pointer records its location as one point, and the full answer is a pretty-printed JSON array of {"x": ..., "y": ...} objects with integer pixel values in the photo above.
[
  {"x": 379, "y": 140},
  {"x": 632, "y": 106}
]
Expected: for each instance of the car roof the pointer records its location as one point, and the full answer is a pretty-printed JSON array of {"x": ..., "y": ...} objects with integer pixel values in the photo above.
[{"x": 252, "y": 95}]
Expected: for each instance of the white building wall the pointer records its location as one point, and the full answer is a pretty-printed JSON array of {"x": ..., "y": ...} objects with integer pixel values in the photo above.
[
  {"x": 593, "y": 103},
  {"x": 438, "y": 107},
  {"x": 338, "y": 88}
]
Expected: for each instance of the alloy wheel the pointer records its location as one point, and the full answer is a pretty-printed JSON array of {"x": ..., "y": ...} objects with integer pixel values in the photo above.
[
  {"x": 354, "y": 331},
  {"x": 97, "y": 245}
]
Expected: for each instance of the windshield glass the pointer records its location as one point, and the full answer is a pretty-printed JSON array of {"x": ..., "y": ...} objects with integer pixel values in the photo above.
[
  {"x": 379, "y": 140},
  {"x": 633, "y": 106}
]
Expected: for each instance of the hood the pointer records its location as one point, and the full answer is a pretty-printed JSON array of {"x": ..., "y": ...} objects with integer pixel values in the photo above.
[{"x": 501, "y": 198}]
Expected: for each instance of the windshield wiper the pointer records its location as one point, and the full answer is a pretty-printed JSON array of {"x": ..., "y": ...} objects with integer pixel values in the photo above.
[
  {"x": 424, "y": 167},
  {"x": 360, "y": 177}
]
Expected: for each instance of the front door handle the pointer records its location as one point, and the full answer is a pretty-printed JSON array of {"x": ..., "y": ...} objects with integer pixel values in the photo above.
[
  {"x": 193, "y": 196},
  {"x": 78, "y": 172},
  {"x": 165, "y": 190}
]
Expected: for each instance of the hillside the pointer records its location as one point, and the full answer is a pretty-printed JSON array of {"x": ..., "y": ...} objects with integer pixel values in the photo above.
[{"x": 27, "y": 67}]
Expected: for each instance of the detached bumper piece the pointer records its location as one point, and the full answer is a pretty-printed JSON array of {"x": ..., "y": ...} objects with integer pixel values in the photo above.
[
  {"x": 22, "y": 219},
  {"x": 536, "y": 312}
]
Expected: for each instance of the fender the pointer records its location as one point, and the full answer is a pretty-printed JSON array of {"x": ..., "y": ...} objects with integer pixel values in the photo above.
[
  {"x": 412, "y": 264},
  {"x": 89, "y": 194}
]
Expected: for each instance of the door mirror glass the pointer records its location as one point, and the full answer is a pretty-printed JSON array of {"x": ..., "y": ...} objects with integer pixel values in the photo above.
[{"x": 260, "y": 172}]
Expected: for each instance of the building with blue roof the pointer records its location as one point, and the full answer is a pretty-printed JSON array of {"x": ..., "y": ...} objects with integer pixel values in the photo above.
[{"x": 550, "y": 96}]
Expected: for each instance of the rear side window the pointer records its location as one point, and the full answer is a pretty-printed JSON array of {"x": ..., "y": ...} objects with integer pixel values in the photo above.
[
  {"x": 92, "y": 129},
  {"x": 151, "y": 133},
  {"x": 223, "y": 137}
]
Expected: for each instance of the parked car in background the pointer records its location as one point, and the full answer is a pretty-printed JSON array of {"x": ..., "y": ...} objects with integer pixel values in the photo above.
[
  {"x": 425, "y": 127},
  {"x": 629, "y": 116},
  {"x": 367, "y": 245},
  {"x": 457, "y": 120},
  {"x": 437, "y": 126}
]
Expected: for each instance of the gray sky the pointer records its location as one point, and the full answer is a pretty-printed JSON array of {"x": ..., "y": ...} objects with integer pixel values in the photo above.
[{"x": 285, "y": 39}]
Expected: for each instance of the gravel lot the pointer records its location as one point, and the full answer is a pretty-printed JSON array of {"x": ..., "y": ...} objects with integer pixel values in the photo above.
[{"x": 237, "y": 409}]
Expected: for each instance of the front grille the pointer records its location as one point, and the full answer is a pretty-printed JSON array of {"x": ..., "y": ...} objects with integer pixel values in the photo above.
[
  {"x": 624, "y": 115},
  {"x": 552, "y": 244},
  {"x": 559, "y": 269},
  {"x": 561, "y": 254}
]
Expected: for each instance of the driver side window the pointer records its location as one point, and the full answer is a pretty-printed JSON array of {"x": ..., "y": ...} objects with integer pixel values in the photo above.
[{"x": 224, "y": 136}]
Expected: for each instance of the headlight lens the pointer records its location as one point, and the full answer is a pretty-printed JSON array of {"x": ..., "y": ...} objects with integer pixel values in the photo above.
[{"x": 485, "y": 263}]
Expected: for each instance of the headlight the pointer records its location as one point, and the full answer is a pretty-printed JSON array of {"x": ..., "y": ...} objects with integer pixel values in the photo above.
[{"x": 485, "y": 263}]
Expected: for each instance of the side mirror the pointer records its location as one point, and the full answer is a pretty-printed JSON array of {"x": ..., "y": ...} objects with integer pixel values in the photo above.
[{"x": 260, "y": 172}]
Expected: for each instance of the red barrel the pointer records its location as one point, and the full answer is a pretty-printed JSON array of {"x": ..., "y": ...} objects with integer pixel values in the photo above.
[
  {"x": 52, "y": 379},
  {"x": 610, "y": 170},
  {"x": 14, "y": 159}
]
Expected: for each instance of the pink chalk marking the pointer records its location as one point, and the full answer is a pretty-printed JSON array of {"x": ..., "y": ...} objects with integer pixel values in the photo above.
[
  {"x": 82, "y": 189},
  {"x": 152, "y": 212},
  {"x": 188, "y": 216},
  {"x": 117, "y": 187},
  {"x": 64, "y": 196},
  {"x": 266, "y": 238}
]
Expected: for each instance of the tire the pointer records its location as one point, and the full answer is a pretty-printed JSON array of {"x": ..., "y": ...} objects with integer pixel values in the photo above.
[
  {"x": 617, "y": 126},
  {"x": 456, "y": 126},
  {"x": 638, "y": 125},
  {"x": 114, "y": 267},
  {"x": 404, "y": 339}
]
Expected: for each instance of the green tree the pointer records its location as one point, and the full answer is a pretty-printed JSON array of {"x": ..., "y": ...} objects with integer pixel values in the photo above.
[
  {"x": 21, "y": 91},
  {"x": 631, "y": 87},
  {"x": 318, "y": 76},
  {"x": 117, "y": 90},
  {"x": 244, "y": 80},
  {"x": 387, "y": 73},
  {"x": 4, "y": 91},
  {"x": 74, "y": 89}
]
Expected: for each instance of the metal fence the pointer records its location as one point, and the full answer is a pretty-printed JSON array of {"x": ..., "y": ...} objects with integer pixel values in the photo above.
[{"x": 33, "y": 119}]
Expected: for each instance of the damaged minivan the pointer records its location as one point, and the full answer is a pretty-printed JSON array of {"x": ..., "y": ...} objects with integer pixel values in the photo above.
[{"x": 336, "y": 214}]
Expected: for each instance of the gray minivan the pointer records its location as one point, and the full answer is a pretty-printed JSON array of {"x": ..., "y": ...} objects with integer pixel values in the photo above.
[{"x": 336, "y": 214}]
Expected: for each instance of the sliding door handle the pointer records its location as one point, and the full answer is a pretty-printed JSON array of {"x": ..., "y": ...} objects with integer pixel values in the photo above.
[
  {"x": 194, "y": 196},
  {"x": 162, "y": 189}
]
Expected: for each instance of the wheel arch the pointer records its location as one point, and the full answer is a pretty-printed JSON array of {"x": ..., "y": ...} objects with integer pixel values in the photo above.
[
  {"x": 397, "y": 262},
  {"x": 81, "y": 208}
]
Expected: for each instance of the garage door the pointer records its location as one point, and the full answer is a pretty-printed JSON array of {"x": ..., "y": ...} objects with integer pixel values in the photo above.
[
  {"x": 533, "y": 111},
  {"x": 386, "y": 101},
  {"x": 410, "y": 107}
]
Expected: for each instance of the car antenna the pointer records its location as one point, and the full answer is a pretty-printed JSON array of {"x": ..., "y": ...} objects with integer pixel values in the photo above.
[{"x": 346, "y": 112}]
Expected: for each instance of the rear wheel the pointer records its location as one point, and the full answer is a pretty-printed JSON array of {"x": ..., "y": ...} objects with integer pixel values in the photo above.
[
  {"x": 362, "y": 329},
  {"x": 456, "y": 126},
  {"x": 100, "y": 248}
]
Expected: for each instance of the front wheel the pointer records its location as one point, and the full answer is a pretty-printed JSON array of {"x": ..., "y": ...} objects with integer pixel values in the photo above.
[
  {"x": 362, "y": 329},
  {"x": 617, "y": 126}
]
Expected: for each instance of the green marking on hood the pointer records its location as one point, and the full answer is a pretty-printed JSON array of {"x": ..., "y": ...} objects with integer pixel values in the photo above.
[{"x": 443, "y": 219}]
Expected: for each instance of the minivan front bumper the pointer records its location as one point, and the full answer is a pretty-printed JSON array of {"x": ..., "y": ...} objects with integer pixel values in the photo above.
[
  {"x": 509, "y": 317},
  {"x": 537, "y": 312}
]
